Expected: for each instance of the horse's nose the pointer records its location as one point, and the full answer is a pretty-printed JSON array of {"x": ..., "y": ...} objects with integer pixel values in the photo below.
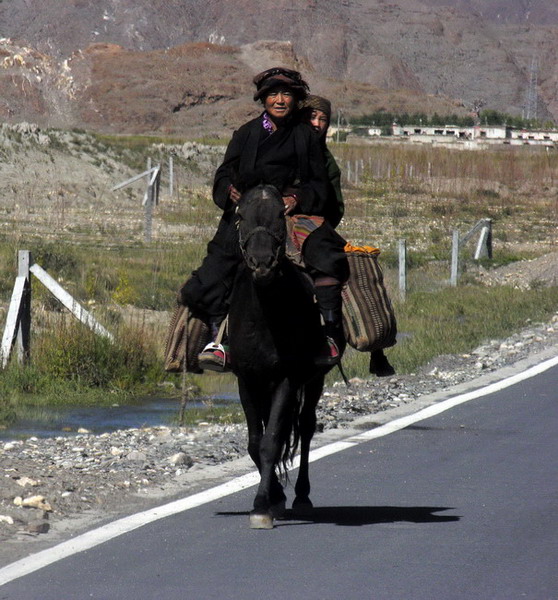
[
  {"x": 262, "y": 275},
  {"x": 253, "y": 264},
  {"x": 261, "y": 271}
]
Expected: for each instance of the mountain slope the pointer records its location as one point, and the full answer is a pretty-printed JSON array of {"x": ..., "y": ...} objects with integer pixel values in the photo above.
[{"x": 468, "y": 50}]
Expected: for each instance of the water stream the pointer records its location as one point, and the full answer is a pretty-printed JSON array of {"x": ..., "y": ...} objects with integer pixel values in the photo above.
[{"x": 150, "y": 411}]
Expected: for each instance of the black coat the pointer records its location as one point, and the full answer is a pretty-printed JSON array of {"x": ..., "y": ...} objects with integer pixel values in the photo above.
[{"x": 290, "y": 159}]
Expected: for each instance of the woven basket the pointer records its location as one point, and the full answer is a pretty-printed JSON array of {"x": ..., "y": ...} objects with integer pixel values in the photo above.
[
  {"x": 368, "y": 318},
  {"x": 186, "y": 335}
]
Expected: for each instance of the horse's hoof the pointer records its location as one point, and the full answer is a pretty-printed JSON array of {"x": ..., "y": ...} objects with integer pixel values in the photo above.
[
  {"x": 302, "y": 506},
  {"x": 261, "y": 521},
  {"x": 278, "y": 509}
]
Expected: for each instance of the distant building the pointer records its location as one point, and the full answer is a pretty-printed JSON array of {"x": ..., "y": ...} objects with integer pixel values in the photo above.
[
  {"x": 492, "y": 134},
  {"x": 438, "y": 130},
  {"x": 534, "y": 136}
]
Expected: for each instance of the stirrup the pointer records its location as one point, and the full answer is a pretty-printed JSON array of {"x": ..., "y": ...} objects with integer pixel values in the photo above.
[
  {"x": 331, "y": 355},
  {"x": 214, "y": 357}
]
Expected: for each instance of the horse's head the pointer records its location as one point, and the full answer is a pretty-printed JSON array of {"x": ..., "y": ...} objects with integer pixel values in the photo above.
[{"x": 262, "y": 231}]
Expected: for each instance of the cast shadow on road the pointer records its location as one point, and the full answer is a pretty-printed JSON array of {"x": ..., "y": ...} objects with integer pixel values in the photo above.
[{"x": 351, "y": 516}]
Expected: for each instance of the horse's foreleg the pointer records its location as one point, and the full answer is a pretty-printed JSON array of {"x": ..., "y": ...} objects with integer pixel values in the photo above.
[
  {"x": 256, "y": 406},
  {"x": 270, "y": 497},
  {"x": 312, "y": 393}
]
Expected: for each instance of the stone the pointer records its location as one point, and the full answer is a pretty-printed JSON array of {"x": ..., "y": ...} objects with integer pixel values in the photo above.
[
  {"x": 25, "y": 481},
  {"x": 136, "y": 455},
  {"x": 38, "y": 526},
  {"x": 6, "y": 519},
  {"x": 12, "y": 446},
  {"x": 33, "y": 502},
  {"x": 181, "y": 458}
]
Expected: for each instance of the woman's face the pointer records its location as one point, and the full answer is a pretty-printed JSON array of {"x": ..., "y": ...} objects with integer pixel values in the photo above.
[
  {"x": 319, "y": 121},
  {"x": 279, "y": 102}
]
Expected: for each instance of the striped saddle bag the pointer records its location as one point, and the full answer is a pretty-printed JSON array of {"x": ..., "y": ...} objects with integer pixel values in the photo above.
[
  {"x": 186, "y": 338},
  {"x": 368, "y": 318}
]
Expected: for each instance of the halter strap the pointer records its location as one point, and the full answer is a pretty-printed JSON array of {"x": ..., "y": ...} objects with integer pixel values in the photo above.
[{"x": 260, "y": 228}]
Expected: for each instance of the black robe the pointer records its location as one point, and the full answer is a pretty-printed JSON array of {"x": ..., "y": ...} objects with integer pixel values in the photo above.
[{"x": 290, "y": 159}]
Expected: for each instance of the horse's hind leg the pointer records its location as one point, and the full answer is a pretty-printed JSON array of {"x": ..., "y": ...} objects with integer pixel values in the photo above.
[{"x": 307, "y": 419}]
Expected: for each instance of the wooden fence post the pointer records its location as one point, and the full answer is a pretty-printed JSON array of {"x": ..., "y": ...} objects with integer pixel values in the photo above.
[{"x": 402, "y": 269}]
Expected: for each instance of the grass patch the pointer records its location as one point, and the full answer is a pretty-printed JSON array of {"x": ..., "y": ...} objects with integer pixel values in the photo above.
[{"x": 72, "y": 365}]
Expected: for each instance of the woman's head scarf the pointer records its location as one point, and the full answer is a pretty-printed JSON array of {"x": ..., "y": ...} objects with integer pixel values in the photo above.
[
  {"x": 280, "y": 76},
  {"x": 317, "y": 103}
]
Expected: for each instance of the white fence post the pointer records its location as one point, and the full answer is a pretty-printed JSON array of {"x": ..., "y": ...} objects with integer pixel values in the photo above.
[
  {"x": 69, "y": 302},
  {"x": 150, "y": 197},
  {"x": 24, "y": 330},
  {"x": 484, "y": 245},
  {"x": 454, "y": 258},
  {"x": 402, "y": 269},
  {"x": 171, "y": 176},
  {"x": 18, "y": 319},
  {"x": 150, "y": 200}
]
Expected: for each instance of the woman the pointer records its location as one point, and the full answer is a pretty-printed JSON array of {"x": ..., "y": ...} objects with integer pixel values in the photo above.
[
  {"x": 276, "y": 149},
  {"x": 316, "y": 111}
]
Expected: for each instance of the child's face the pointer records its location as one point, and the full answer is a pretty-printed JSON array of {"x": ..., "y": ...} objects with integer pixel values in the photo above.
[{"x": 319, "y": 121}]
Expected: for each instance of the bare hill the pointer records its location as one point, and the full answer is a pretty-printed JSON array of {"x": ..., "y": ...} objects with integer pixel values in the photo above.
[
  {"x": 192, "y": 89},
  {"x": 423, "y": 51}
]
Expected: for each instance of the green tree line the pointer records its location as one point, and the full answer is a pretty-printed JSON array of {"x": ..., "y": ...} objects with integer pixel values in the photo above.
[{"x": 385, "y": 119}]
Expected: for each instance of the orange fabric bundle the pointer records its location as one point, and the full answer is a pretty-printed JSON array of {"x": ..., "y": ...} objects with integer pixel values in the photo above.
[{"x": 361, "y": 249}]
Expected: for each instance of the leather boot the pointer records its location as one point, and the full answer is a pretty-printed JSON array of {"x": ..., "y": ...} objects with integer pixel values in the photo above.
[{"x": 330, "y": 304}]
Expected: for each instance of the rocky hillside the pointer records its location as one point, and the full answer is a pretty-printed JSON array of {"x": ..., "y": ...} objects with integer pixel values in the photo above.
[{"x": 174, "y": 65}]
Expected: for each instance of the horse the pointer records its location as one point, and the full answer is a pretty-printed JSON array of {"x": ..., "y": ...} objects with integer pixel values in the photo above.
[{"x": 275, "y": 333}]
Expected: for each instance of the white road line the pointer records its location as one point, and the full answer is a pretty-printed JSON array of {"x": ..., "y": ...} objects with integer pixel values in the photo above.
[{"x": 105, "y": 533}]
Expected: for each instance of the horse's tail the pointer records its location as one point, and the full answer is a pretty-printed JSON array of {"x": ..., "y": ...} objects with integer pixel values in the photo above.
[{"x": 292, "y": 433}]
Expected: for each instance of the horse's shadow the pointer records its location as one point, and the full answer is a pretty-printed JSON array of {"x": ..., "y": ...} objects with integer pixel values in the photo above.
[{"x": 351, "y": 516}]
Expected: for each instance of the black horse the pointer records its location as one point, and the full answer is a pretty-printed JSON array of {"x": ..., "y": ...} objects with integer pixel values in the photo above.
[{"x": 275, "y": 334}]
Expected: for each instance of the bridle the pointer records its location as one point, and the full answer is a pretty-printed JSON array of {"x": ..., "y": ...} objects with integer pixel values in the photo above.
[{"x": 260, "y": 228}]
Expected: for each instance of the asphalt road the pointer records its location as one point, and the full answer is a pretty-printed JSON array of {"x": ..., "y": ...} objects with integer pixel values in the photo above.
[{"x": 463, "y": 505}]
